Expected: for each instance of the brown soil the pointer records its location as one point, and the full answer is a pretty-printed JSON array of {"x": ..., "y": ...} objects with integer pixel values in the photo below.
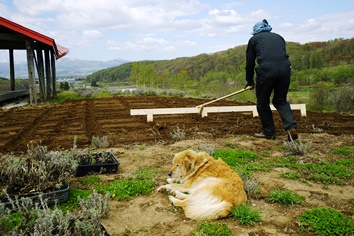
[{"x": 136, "y": 143}]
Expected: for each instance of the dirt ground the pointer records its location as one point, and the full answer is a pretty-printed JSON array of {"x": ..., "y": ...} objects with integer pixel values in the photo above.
[{"x": 56, "y": 126}]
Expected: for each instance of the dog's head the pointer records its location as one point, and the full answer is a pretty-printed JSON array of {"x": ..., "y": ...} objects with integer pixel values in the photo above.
[{"x": 185, "y": 163}]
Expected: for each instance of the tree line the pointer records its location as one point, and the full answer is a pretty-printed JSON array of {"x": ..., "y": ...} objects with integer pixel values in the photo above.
[{"x": 220, "y": 73}]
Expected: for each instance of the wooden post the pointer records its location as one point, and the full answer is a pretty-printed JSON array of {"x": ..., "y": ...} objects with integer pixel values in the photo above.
[
  {"x": 31, "y": 73},
  {"x": 47, "y": 73},
  {"x": 40, "y": 68},
  {"x": 12, "y": 70},
  {"x": 54, "y": 78}
]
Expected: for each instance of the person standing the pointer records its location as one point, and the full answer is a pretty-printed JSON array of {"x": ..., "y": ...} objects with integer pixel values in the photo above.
[{"x": 272, "y": 75}]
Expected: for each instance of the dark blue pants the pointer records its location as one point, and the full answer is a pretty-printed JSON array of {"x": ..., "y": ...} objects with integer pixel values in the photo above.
[{"x": 274, "y": 77}]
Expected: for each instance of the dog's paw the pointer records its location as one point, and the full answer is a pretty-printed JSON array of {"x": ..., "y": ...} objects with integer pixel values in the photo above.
[
  {"x": 172, "y": 199},
  {"x": 161, "y": 188}
]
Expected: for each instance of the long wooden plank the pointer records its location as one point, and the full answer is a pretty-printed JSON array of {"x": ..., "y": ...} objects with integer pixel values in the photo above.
[{"x": 185, "y": 110}]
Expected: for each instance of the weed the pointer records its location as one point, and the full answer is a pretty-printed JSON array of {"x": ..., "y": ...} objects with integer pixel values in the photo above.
[
  {"x": 142, "y": 147},
  {"x": 285, "y": 197},
  {"x": 245, "y": 215},
  {"x": 178, "y": 134},
  {"x": 212, "y": 229},
  {"x": 326, "y": 221}
]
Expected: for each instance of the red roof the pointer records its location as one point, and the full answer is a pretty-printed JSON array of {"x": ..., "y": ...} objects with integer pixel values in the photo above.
[{"x": 59, "y": 50}]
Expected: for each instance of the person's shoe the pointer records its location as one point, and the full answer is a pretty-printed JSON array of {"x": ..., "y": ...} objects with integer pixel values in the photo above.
[
  {"x": 262, "y": 135},
  {"x": 292, "y": 135}
]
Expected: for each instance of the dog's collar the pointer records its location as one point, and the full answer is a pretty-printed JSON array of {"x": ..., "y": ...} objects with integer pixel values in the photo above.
[{"x": 196, "y": 169}]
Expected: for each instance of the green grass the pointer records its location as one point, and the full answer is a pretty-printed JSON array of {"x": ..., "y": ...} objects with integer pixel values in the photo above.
[
  {"x": 326, "y": 221},
  {"x": 212, "y": 229},
  {"x": 92, "y": 180},
  {"x": 242, "y": 161},
  {"x": 66, "y": 95},
  {"x": 291, "y": 175},
  {"x": 73, "y": 202},
  {"x": 285, "y": 197},
  {"x": 245, "y": 215},
  {"x": 147, "y": 172},
  {"x": 347, "y": 151},
  {"x": 125, "y": 189}
]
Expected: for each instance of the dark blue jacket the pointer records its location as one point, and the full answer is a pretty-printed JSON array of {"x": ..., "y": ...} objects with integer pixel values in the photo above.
[{"x": 268, "y": 48}]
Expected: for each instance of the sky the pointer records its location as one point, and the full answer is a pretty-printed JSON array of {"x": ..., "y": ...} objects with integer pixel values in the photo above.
[{"x": 137, "y": 30}]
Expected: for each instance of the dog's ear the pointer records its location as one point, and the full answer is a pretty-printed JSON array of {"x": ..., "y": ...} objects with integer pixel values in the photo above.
[{"x": 188, "y": 162}]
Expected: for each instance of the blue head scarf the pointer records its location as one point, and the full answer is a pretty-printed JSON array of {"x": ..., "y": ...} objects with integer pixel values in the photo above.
[{"x": 261, "y": 27}]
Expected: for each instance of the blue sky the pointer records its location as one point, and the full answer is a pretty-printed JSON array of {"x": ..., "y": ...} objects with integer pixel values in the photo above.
[{"x": 166, "y": 29}]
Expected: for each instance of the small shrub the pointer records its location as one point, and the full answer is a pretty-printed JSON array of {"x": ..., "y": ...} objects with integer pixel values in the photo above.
[
  {"x": 212, "y": 229},
  {"x": 297, "y": 147},
  {"x": 245, "y": 215},
  {"x": 285, "y": 197},
  {"x": 40, "y": 169},
  {"x": 42, "y": 220},
  {"x": 178, "y": 134},
  {"x": 326, "y": 221},
  {"x": 251, "y": 186},
  {"x": 100, "y": 142}
]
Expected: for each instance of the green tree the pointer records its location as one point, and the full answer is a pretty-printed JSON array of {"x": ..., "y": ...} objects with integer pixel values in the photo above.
[{"x": 320, "y": 98}]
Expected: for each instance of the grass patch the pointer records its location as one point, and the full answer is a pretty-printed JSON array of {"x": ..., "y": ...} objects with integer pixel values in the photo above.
[
  {"x": 245, "y": 215},
  {"x": 66, "y": 95},
  {"x": 327, "y": 173},
  {"x": 347, "y": 151},
  {"x": 291, "y": 175},
  {"x": 90, "y": 181},
  {"x": 285, "y": 197},
  {"x": 73, "y": 201},
  {"x": 326, "y": 221},
  {"x": 127, "y": 189},
  {"x": 243, "y": 162},
  {"x": 212, "y": 229},
  {"x": 147, "y": 172}
]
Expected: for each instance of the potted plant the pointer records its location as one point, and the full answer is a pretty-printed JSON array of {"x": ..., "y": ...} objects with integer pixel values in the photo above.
[
  {"x": 102, "y": 162},
  {"x": 44, "y": 220},
  {"x": 38, "y": 172}
]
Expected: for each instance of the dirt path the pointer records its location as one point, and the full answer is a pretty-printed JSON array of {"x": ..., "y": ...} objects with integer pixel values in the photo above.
[{"x": 56, "y": 126}]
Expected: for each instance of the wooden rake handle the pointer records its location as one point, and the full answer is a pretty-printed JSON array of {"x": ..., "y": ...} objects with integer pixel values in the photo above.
[{"x": 226, "y": 96}]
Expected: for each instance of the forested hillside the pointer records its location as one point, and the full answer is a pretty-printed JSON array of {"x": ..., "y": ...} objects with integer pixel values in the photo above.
[{"x": 322, "y": 65}]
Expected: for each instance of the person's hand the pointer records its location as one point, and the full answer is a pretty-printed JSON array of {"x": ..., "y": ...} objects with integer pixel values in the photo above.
[{"x": 249, "y": 86}]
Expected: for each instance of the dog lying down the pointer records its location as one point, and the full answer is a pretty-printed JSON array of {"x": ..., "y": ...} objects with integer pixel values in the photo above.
[{"x": 205, "y": 188}]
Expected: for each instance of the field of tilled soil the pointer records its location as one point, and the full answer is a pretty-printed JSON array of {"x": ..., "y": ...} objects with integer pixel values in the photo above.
[{"x": 56, "y": 126}]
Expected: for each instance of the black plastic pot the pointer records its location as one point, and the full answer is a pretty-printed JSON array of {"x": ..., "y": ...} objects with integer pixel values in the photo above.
[
  {"x": 104, "y": 163},
  {"x": 52, "y": 197}
]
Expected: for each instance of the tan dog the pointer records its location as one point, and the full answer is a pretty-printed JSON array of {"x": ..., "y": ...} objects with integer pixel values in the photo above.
[{"x": 205, "y": 188}]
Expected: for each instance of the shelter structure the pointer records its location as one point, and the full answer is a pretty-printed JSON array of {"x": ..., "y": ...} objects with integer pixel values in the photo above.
[{"x": 41, "y": 51}]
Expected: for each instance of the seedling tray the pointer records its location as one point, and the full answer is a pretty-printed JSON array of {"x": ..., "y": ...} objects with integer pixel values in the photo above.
[
  {"x": 95, "y": 163},
  {"x": 55, "y": 196}
]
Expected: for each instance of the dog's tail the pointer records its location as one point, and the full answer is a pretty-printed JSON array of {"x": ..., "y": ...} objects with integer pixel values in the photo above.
[{"x": 202, "y": 207}]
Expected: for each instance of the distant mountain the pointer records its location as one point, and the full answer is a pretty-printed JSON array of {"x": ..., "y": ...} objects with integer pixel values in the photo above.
[{"x": 65, "y": 67}]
